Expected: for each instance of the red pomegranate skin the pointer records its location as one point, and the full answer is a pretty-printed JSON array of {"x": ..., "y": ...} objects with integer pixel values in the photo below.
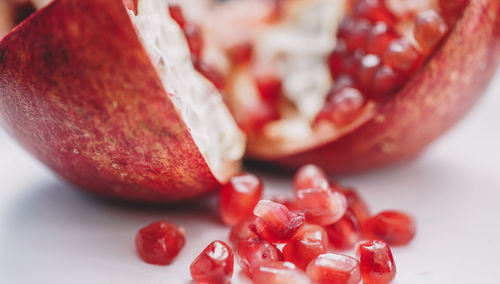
[
  {"x": 79, "y": 92},
  {"x": 431, "y": 103}
]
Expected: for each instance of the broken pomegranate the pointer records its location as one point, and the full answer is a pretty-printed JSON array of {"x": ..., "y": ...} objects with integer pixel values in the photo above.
[
  {"x": 255, "y": 253},
  {"x": 275, "y": 223},
  {"x": 376, "y": 262},
  {"x": 396, "y": 228},
  {"x": 159, "y": 243},
  {"x": 280, "y": 272},
  {"x": 309, "y": 242},
  {"x": 331, "y": 268},
  {"x": 214, "y": 265}
]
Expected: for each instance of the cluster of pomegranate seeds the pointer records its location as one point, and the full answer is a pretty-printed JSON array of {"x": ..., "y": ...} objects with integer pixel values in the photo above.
[
  {"x": 239, "y": 197},
  {"x": 214, "y": 265},
  {"x": 332, "y": 268},
  {"x": 254, "y": 253},
  {"x": 376, "y": 262},
  {"x": 309, "y": 242},
  {"x": 396, "y": 228},
  {"x": 159, "y": 243}
]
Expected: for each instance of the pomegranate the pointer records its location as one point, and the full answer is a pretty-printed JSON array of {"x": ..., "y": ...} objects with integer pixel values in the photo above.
[
  {"x": 345, "y": 233},
  {"x": 160, "y": 242},
  {"x": 396, "y": 228},
  {"x": 335, "y": 269},
  {"x": 309, "y": 242},
  {"x": 275, "y": 223},
  {"x": 214, "y": 265},
  {"x": 376, "y": 262},
  {"x": 254, "y": 253},
  {"x": 322, "y": 206}
]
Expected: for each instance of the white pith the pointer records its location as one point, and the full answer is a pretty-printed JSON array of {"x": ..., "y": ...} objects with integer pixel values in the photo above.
[{"x": 196, "y": 99}]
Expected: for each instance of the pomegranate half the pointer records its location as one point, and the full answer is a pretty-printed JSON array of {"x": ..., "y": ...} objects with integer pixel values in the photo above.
[{"x": 110, "y": 101}]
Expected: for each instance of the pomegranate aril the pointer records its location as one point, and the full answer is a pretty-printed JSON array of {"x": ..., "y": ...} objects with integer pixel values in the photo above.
[
  {"x": 430, "y": 29},
  {"x": 309, "y": 242},
  {"x": 379, "y": 39},
  {"x": 354, "y": 32},
  {"x": 309, "y": 176},
  {"x": 240, "y": 53},
  {"x": 345, "y": 233},
  {"x": 280, "y": 272},
  {"x": 336, "y": 59},
  {"x": 268, "y": 83},
  {"x": 159, "y": 243},
  {"x": 343, "y": 81},
  {"x": 131, "y": 5},
  {"x": 214, "y": 265},
  {"x": 209, "y": 73},
  {"x": 239, "y": 197},
  {"x": 369, "y": 65},
  {"x": 342, "y": 107},
  {"x": 374, "y": 10},
  {"x": 177, "y": 15},
  {"x": 356, "y": 205},
  {"x": 194, "y": 39},
  {"x": 402, "y": 56},
  {"x": 275, "y": 223},
  {"x": 396, "y": 228},
  {"x": 386, "y": 82},
  {"x": 376, "y": 262},
  {"x": 333, "y": 268},
  {"x": 254, "y": 253},
  {"x": 321, "y": 206},
  {"x": 242, "y": 232}
]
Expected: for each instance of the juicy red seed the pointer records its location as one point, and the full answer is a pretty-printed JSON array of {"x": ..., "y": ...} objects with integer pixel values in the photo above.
[
  {"x": 374, "y": 10},
  {"x": 214, "y": 265},
  {"x": 159, "y": 243},
  {"x": 258, "y": 115},
  {"x": 310, "y": 176},
  {"x": 396, "y": 228},
  {"x": 275, "y": 223},
  {"x": 351, "y": 63},
  {"x": 254, "y": 253},
  {"x": 452, "y": 10},
  {"x": 379, "y": 39},
  {"x": 268, "y": 83},
  {"x": 386, "y": 82},
  {"x": 242, "y": 232},
  {"x": 336, "y": 59},
  {"x": 177, "y": 15},
  {"x": 402, "y": 56},
  {"x": 241, "y": 53},
  {"x": 345, "y": 233},
  {"x": 131, "y": 5},
  {"x": 239, "y": 197},
  {"x": 321, "y": 206},
  {"x": 343, "y": 81},
  {"x": 342, "y": 107},
  {"x": 430, "y": 29},
  {"x": 194, "y": 39},
  {"x": 354, "y": 32},
  {"x": 332, "y": 268},
  {"x": 356, "y": 205},
  {"x": 369, "y": 65},
  {"x": 209, "y": 73},
  {"x": 376, "y": 262},
  {"x": 309, "y": 242},
  {"x": 280, "y": 272},
  {"x": 286, "y": 201}
]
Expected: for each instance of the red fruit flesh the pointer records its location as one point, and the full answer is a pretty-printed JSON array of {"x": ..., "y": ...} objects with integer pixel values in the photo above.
[
  {"x": 379, "y": 38},
  {"x": 333, "y": 268},
  {"x": 376, "y": 262},
  {"x": 396, "y": 228},
  {"x": 268, "y": 83},
  {"x": 356, "y": 205},
  {"x": 342, "y": 107},
  {"x": 242, "y": 232},
  {"x": 159, "y": 243},
  {"x": 280, "y": 273},
  {"x": 321, "y": 206},
  {"x": 176, "y": 14},
  {"x": 214, "y": 265},
  {"x": 239, "y": 197},
  {"x": 354, "y": 32},
  {"x": 309, "y": 242},
  {"x": 254, "y": 253},
  {"x": 402, "y": 56},
  {"x": 430, "y": 29},
  {"x": 275, "y": 223},
  {"x": 345, "y": 233},
  {"x": 310, "y": 176},
  {"x": 194, "y": 39}
]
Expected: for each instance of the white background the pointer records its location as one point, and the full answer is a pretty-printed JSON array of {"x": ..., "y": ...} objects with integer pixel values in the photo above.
[{"x": 52, "y": 233}]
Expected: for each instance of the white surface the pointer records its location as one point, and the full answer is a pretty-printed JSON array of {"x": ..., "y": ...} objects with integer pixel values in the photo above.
[{"x": 51, "y": 233}]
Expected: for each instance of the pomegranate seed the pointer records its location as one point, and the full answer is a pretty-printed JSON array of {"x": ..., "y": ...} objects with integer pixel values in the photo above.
[
  {"x": 354, "y": 32},
  {"x": 309, "y": 176},
  {"x": 343, "y": 81},
  {"x": 379, "y": 39},
  {"x": 402, "y": 56},
  {"x": 332, "y": 268},
  {"x": 209, "y": 73},
  {"x": 369, "y": 65},
  {"x": 239, "y": 197},
  {"x": 342, "y": 107},
  {"x": 287, "y": 202},
  {"x": 351, "y": 63},
  {"x": 258, "y": 115},
  {"x": 386, "y": 82},
  {"x": 131, "y": 5},
  {"x": 268, "y": 83},
  {"x": 194, "y": 39},
  {"x": 177, "y": 15},
  {"x": 241, "y": 53},
  {"x": 309, "y": 242},
  {"x": 159, "y": 243},
  {"x": 242, "y": 232},
  {"x": 275, "y": 223},
  {"x": 280, "y": 272},
  {"x": 356, "y": 205},
  {"x": 374, "y": 10},
  {"x": 430, "y": 29},
  {"x": 452, "y": 10},
  {"x": 376, "y": 262},
  {"x": 254, "y": 253},
  {"x": 344, "y": 234},
  {"x": 321, "y": 206},
  {"x": 214, "y": 265},
  {"x": 336, "y": 59},
  {"x": 394, "y": 227}
]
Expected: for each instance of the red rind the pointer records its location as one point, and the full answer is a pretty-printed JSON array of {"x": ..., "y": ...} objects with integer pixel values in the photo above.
[
  {"x": 78, "y": 91},
  {"x": 431, "y": 103}
]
